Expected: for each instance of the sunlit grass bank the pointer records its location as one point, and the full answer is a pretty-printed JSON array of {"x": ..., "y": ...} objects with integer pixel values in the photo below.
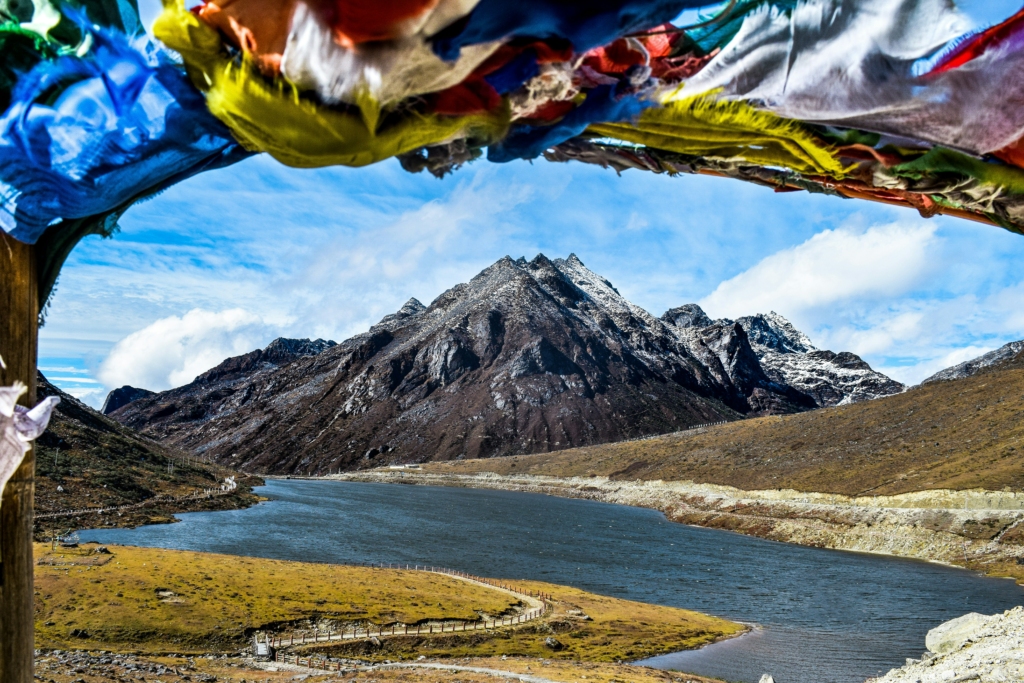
[
  {"x": 168, "y": 601},
  {"x": 156, "y": 600},
  {"x": 583, "y": 626}
]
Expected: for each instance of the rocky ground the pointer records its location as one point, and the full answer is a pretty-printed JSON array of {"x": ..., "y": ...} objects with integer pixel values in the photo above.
[
  {"x": 70, "y": 666},
  {"x": 978, "y": 529},
  {"x": 974, "y": 647}
]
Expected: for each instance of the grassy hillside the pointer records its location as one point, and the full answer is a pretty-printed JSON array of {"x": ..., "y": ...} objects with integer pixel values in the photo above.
[
  {"x": 147, "y": 599},
  {"x": 100, "y": 463},
  {"x": 958, "y": 434},
  {"x": 155, "y": 600}
]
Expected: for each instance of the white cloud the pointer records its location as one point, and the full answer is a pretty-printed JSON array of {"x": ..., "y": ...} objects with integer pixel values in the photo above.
[
  {"x": 894, "y": 294},
  {"x": 832, "y": 267},
  {"x": 637, "y": 223},
  {"x": 421, "y": 252},
  {"x": 66, "y": 368},
  {"x": 173, "y": 351},
  {"x": 93, "y": 397}
]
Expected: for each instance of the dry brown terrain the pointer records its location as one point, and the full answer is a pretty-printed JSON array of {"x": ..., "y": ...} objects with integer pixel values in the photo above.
[{"x": 959, "y": 434}]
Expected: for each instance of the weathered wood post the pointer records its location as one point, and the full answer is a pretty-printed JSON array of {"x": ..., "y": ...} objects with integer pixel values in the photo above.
[{"x": 19, "y": 315}]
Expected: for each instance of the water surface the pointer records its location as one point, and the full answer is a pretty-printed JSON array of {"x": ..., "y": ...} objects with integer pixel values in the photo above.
[{"x": 825, "y": 616}]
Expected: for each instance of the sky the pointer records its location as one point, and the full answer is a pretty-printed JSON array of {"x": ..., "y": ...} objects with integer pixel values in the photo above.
[{"x": 224, "y": 263}]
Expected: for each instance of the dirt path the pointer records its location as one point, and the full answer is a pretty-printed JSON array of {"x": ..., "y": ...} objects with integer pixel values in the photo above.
[{"x": 495, "y": 673}]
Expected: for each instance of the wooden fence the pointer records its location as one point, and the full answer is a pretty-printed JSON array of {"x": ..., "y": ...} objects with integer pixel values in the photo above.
[
  {"x": 446, "y": 626},
  {"x": 682, "y": 431}
]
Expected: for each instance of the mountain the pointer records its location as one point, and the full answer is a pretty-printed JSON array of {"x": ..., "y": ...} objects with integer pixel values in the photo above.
[
  {"x": 526, "y": 357},
  {"x": 788, "y": 357},
  {"x": 279, "y": 352},
  {"x": 1000, "y": 356},
  {"x": 87, "y": 460},
  {"x": 830, "y": 378},
  {"x": 122, "y": 396}
]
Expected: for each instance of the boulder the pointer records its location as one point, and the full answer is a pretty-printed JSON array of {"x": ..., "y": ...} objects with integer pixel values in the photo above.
[
  {"x": 954, "y": 634},
  {"x": 552, "y": 643}
]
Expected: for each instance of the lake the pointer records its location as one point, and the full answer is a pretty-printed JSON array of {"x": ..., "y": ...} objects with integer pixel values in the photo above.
[{"x": 823, "y": 616}]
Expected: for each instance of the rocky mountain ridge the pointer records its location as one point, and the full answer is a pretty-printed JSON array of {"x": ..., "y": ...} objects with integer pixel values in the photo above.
[
  {"x": 122, "y": 396},
  {"x": 788, "y": 358},
  {"x": 525, "y": 357},
  {"x": 1003, "y": 354},
  {"x": 830, "y": 378}
]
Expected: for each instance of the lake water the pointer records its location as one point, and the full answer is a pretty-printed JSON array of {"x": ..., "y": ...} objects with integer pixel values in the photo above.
[{"x": 824, "y": 616}]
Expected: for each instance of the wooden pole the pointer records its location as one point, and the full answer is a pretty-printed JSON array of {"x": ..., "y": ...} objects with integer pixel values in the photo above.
[{"x": 19, "y": 316}]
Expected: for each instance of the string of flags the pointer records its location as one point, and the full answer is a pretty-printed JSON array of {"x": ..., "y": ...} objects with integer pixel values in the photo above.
[{"x": 898, "y": 101}]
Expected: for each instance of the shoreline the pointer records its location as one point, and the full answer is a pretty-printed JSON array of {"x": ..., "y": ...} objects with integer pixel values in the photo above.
[
  {"x": 977, "y": 530},
  {"x": 750, "y": 627}
]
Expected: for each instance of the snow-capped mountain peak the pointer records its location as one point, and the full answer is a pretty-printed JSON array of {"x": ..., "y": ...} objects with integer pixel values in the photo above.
[
  {"x": 687, "y": 315},
  {"x": 789, "y": 358},
  {"x": 772, "y": 331}
]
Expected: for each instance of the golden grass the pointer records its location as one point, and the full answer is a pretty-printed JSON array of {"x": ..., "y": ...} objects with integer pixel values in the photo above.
[
  {"x": 958, "y": 434},
  {"x": 588, "y": 627},
  {"x": 155, "y": 600}
]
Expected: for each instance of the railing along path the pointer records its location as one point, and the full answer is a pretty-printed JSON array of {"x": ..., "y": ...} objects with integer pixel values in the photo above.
[
  {"x": 691, "y": 428},
  {"x": 195, "y": 495},
  {"x": 446, "y": 626}
]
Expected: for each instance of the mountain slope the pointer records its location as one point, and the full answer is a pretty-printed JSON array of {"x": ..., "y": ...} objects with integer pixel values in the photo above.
[
  {"x": 97, "y": 462},
  {"x": 122, "y": 396},
  {"x": 958, "y": 434},
  {"x": 526, "y": 357}
]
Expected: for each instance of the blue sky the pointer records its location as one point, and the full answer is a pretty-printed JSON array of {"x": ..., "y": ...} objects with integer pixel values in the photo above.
[{"x": 225, "y": 262}]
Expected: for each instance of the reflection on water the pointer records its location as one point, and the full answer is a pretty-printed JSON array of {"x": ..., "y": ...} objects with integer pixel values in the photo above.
[{"x": 826, "y": 616}]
